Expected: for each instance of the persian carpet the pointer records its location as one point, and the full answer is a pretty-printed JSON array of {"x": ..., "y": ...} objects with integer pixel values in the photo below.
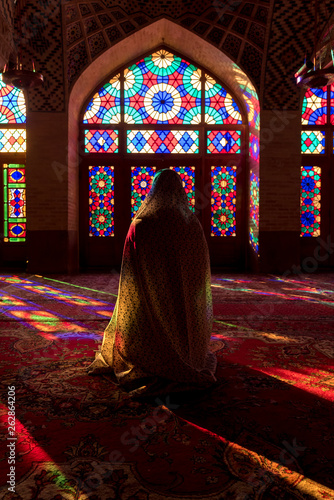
[{"x": 264, "y": 431}]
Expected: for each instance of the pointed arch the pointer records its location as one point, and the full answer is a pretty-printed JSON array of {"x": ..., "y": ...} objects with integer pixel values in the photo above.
[{"x": 179, "y": 39}]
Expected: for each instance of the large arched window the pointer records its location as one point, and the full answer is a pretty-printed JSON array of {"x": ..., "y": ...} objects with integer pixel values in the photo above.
[
  {"x": 12, "y": 158},
  {"x": 162, "y": 112},
  {"x": 317, "y": 183}
]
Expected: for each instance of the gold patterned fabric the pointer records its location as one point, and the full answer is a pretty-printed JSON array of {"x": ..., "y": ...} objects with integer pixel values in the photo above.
[{"x": 161, "y": 325}]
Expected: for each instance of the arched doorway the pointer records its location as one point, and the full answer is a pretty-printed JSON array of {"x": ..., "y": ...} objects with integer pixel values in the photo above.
[{"x": 163, "y": 111}]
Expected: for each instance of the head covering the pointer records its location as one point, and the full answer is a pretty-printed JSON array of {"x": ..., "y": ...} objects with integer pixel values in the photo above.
[
  {"x": 166, "y": 193},
  {"x": 161, "y": 325}
]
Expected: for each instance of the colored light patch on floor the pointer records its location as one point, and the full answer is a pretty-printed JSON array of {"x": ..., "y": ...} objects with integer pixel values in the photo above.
[{"x": 275, "y": 374}]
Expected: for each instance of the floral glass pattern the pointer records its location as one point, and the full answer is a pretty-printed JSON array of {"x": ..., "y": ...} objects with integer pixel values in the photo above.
[
  {"x": 14, "y": 203},
  {"x": 101, "y": 141},
  {"x": 223, "y": 200},
  {"x": 223, "y": 141},
  {"x": 313, "y": 142},
  {"x": 162, "y": 88},
  {"x": 187, "y": 175},
  {"x": 141, "y": 182},
  {"x": 310, "y": 201},
  {"x": 101, "y": 201},
  {"x": 220, "y": 107},
  {"x": 254, "y": 210},
  {"x": 314, "y": 110},
  {"x": 254, "y": 148},
  {"x": 105, "y": 106},
  {"x": 162, "y": 141}
]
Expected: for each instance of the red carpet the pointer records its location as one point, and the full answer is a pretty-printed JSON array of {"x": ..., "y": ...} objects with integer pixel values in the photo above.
[{"x": 265, "y": 431}]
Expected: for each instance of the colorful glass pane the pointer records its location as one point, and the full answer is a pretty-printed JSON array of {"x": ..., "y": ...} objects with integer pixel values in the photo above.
[
  {"x": 101, "y": 201},
  {"x": 223, "y": 200},
  {"x": 12, "y": 104},
  {"x": 254, "y": 149},
  {"x": 162, "y": 141},
  {"x": 254, "y": 210},
  {"x": 105, "y": 104},
  {"x": 223, "y": 141},
  {"x": 101, "y": 141},
  {"x": 332, "y": 103},
  {"x": 252, "y": 106},
  {"x": 187, "y": 175},
  {"x": 314, "y": 110},
  {"x": 310, "y": 198},
  {"x": 250, "y": 97},
  {"x": 141, "y": 182},
  {"x": 13, "y": 140},
  {"x": 162, "y": 88},
  {"x": 220, "y": 107},
  {"x": 14, "y": 203},
  {"x": 313, "y": 141}
]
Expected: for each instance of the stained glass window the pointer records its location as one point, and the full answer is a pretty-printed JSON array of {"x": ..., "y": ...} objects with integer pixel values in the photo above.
[
  {"x": 314, "y": 110},
  {"x": 310, "y": 198},
  {"x": 12, "y": 104},
  {"x": 105, "y": 104},
  {"x": 13, "y": 140},
  {"x": 332, "y": 103},
  {"x": 254, "y": 149},
  {"x": 162, "y": 88},
  {"x": 223, "y": 200},
  {"x": 162, "y": 141},
  {"x": 187, "y": 175},
  {"x": 254, "y": 211},
  {"x": 168, "y": 101},
  {"x": 101, "y": 201},
  {"x": 101, "y": 141},
  {"x": 313, "y": 142},
  {"x": 223, "y": 141},
  {"x": 250, "y": 97},
  {"x": 220, "y": 107},
  {"x": 14, "y": 183},
  {"x": 141, "y": 182}
]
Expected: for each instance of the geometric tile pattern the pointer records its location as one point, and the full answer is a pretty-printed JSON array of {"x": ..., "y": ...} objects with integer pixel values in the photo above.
[
  {"x": 42, "y": 43},
  {"x": 238, "y": 28},
  {"x": 290, "y": 38}
]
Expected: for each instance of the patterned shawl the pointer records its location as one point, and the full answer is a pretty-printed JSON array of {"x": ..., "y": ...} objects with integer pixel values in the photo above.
[{"x": 161, "y": 325}]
